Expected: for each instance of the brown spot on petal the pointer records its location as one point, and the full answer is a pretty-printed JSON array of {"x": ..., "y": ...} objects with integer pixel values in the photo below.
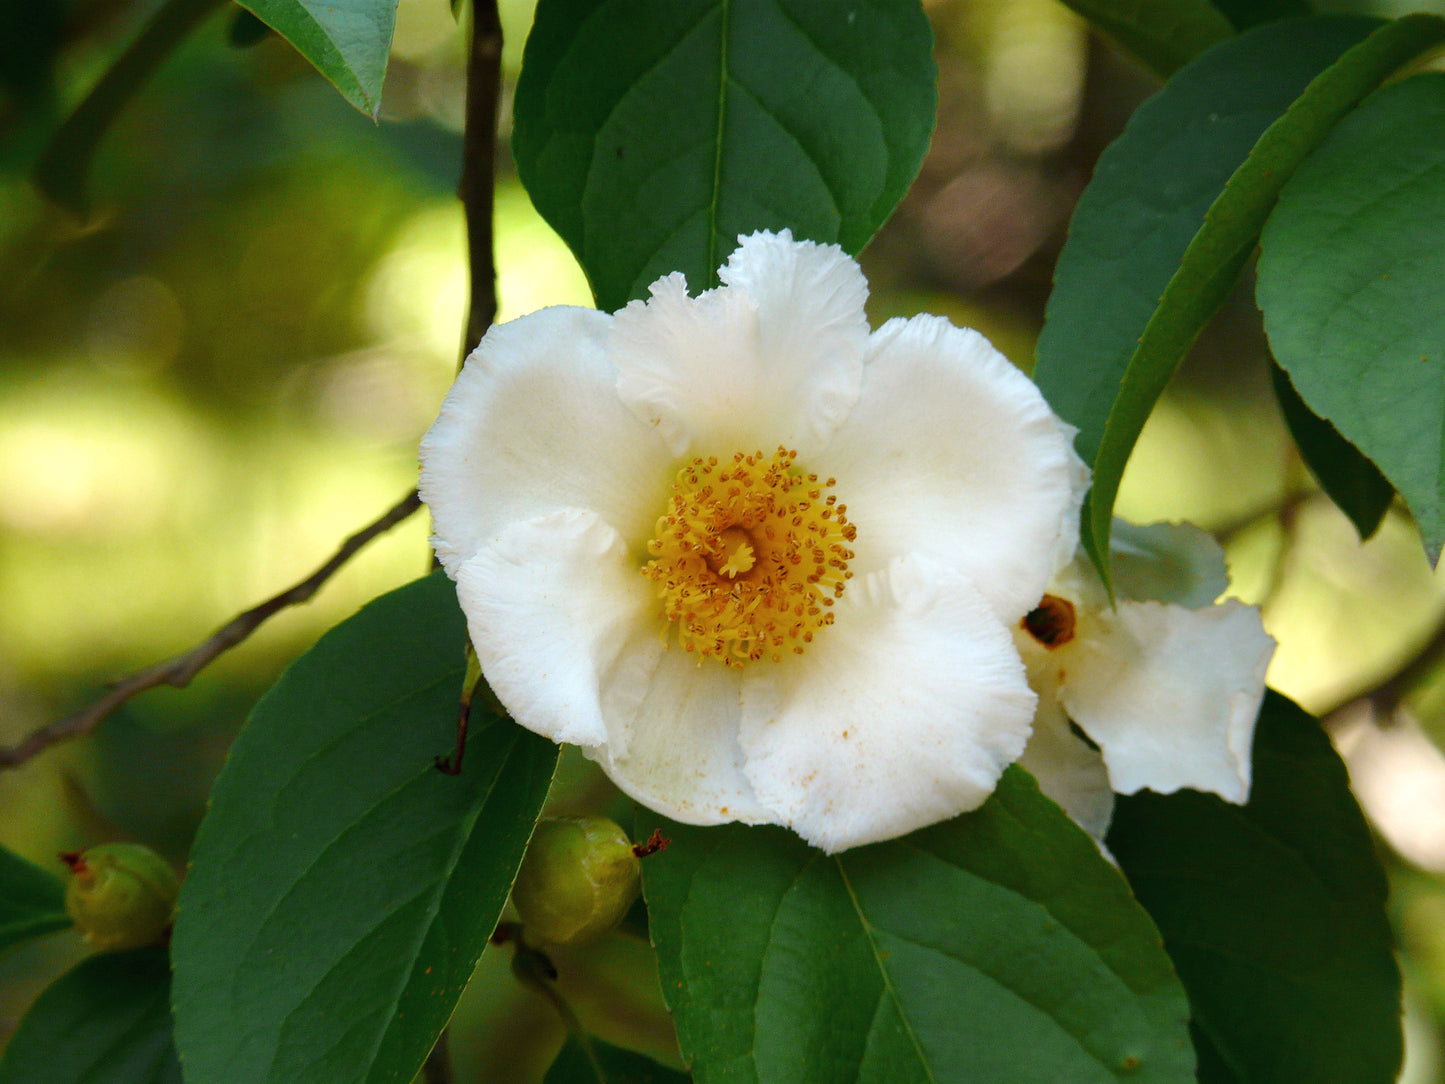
[{"x": 1051, "y": 623}]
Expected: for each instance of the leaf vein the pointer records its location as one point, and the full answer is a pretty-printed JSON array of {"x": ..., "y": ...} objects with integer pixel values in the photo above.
[{"x": 883, "y": 971}]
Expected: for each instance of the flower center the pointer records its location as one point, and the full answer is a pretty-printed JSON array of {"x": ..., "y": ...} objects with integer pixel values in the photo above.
[
  {"x": 749, "y": 556},
  {"x": 1051, "y": 623}
]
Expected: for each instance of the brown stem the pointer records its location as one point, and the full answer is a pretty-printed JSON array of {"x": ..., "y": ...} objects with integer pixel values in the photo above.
[
  {"x": 479, "y": 158},
  {"x": 477, "y": 191},
  {"x": 179, "y": 671},
  {"x": 655, "y": 842},
  {"x": 452, "y": 765}
]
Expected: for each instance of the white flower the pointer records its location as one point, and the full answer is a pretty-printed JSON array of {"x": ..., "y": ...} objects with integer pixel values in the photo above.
[
  {"x": 760, "y": 564},
  {"x": 1165, "y": 686}
]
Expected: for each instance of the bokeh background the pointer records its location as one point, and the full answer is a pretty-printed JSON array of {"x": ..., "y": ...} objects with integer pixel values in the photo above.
[{"x": 225, "y": 370}]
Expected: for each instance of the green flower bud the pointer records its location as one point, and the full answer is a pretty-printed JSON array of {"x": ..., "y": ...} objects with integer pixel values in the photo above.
[
  {"x": 121, "y": 895},
  {"x": 578, "y": 878}
]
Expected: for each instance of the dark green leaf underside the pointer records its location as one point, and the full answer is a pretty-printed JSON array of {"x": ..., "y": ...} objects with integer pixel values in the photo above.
[
  {"x": 651, "y": 134},
  {"x": 341, "y": 887},
  {"x": 999, "y": 946},
  {"x": 1273, "y": 914},
  {"x": 106, "y": 1021},
  {"x": 1350, "y": 276},
  {"x": 1351, "y": 481}
]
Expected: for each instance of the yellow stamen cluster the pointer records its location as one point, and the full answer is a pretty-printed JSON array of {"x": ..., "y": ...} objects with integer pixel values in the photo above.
[{"x": 749, "y": 556}]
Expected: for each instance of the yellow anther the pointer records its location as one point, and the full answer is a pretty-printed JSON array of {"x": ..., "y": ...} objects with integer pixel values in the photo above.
[{"x": 748, "y": 556}]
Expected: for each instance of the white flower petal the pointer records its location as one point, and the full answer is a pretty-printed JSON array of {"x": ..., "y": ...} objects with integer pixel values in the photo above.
[
  {"x": 902, "y": 713},
  {"x": 549, "y": 606},
  {"x": 1167, "y": 562},
  {"x": 1171, "y": 695},
  {"x": 773, "y": 357},
  {"x": 533, "y": 424},
  {"x": 1066, "y": 546},
  {"x": 1068, "y": 770},
  {"x": 568, "y": 635},
  {"x": 953, "y": 453},
  {"x": 673, "y": 735}
]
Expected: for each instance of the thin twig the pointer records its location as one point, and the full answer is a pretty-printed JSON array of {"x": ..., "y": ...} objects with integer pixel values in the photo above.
[
  {"x": 477, "y": 191},
  {"x": 179, "y": 671},
  {"x": 479, "y": 160},
  {"x": 452, "y": 765}
]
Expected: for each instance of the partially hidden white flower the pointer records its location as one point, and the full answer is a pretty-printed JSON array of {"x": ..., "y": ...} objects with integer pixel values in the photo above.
[
  {"x": 759, "y": 563},
  {"x": 1165, "y": 686}
]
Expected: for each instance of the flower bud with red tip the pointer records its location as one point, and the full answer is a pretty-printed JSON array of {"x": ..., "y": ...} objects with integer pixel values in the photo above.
[
  {"x": 579, "y": 877},
  {"x": 121, "y": 895}
]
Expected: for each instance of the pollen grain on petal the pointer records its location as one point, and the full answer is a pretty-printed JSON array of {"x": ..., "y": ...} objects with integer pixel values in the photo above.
[{"x": 749, "y": 555}]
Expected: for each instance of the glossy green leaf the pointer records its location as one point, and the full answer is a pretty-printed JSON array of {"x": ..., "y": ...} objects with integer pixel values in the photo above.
[
  {"x": 1350, "y": 276},
  {"x": 1351, "y": 481},
  {"x": 1168, "y": 221},
  {"x": 348, "y": 41},
  {"x": 106, "y": 1021},
  {"x": 341, "y": 887},
  {"x": 1274, "y": 914},
  {"x": 32, "y": 900},
  {"x": 651, "y": 133},
  {"x": 607, "y": 1065},
  {"x": 1164, "y": 34},
  {"x": 999, "y": 946}
]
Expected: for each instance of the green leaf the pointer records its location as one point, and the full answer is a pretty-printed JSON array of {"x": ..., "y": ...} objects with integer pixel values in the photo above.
[
  {"x": 607, "y": 1065},
  {"x": 1168, "y": 221},
  {"x": 32, "y": 900},
  {"x": 1350, "y": 278},
  {"x": 63, "y": 168},
  {"x": 1273, "y": 913},
  {"x": 341, "y": 887},
  {"x": 106, "y": 1021},
  {"x": 1164, "y": 34},
  {"x": 1351, "y": 481},
  {"x": 348, "y": 41},
  {"x": 999, "y": 946},
  {"x": 651, "y": 133}
]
